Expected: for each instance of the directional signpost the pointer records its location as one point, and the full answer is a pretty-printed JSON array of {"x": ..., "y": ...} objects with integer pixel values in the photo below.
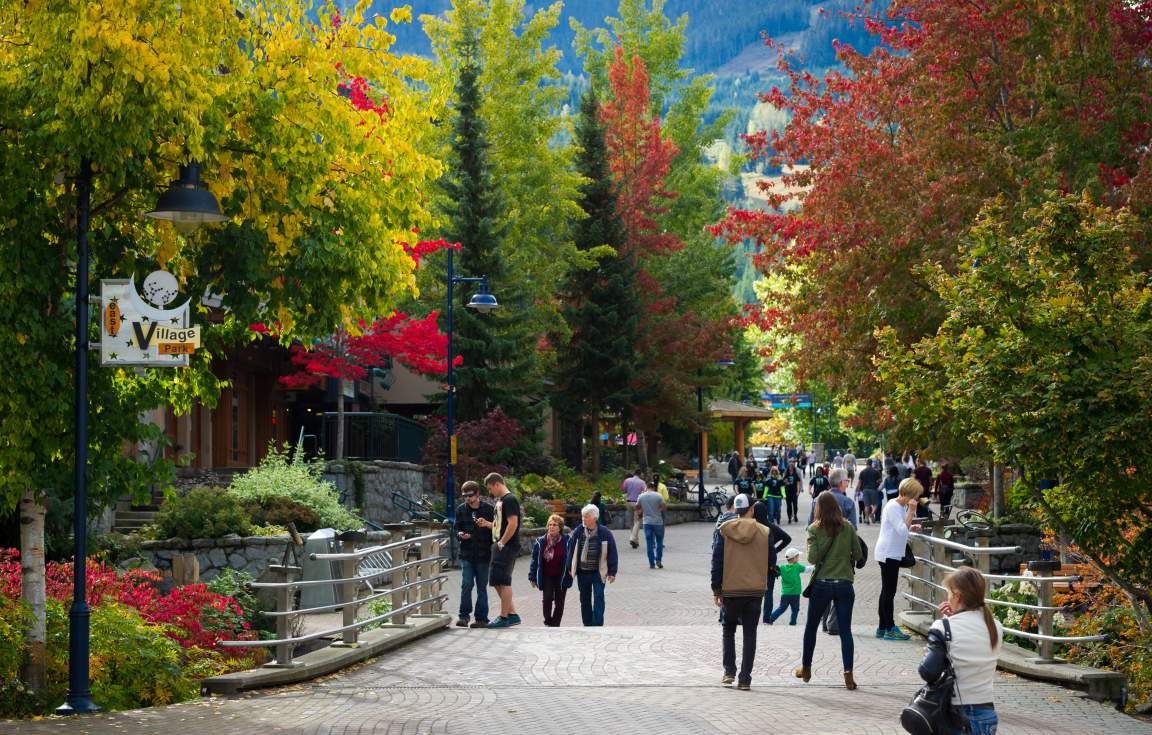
[{"x": 787, "y": 400}]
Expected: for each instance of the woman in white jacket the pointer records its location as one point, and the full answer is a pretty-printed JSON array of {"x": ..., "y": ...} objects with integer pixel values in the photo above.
[{"x": 976, "y": 637}]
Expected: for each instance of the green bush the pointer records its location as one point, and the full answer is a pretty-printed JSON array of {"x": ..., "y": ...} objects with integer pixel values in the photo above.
[
  {"x": 204, "y": 512},
  {"x": 535, "y": 511},
  {"x": 134, "y": 664},
  {"x": 280, "y": 510},
  {"x": 301, "y": 482},
  {"x": 234, "y": 583}
]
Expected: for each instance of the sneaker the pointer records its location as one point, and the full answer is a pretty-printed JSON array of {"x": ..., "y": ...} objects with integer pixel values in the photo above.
[
  {"x": 727, "y": 679},
  {"x": 500, "y": 622},
  {"x": 635, "y": 544},
  {"x": 479, "y": 624},
  {"x": 880, "y": 632},
  {"x": 895, "y": 634},
  {"x": 513, "y": 619},
  {"x": 462, "y": 622},
  {"x": 659, "y": 565},
  {"x": 744, "y": 686}
]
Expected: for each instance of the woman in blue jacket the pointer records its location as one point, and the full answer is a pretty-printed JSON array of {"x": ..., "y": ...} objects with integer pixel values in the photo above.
[{"x": 546, "y": 573}]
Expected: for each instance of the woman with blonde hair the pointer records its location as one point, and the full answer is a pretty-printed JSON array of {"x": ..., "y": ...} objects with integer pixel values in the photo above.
[
  {"x": 896, "y": 521},
  {"x": 833, "y": 550},
  {"x": 970, "y": 642},
  {"x": 546, "y": 573}
]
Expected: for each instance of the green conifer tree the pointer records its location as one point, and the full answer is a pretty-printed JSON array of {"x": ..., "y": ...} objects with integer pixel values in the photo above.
[
  {"x": 496, "y": 347},
  {"x": 595, "y": 365}
]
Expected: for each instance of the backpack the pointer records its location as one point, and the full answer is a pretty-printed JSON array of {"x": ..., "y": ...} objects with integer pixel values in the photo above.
[{"x": 930, "y": 711}]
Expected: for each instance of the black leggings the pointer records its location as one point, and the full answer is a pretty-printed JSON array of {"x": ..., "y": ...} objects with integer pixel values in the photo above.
[
  {"x": 889, "y": 579},
  {"x": 793, "y": 505}
]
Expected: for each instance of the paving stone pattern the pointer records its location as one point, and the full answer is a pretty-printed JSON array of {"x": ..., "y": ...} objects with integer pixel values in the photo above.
[{"x": 654, "y": 668}]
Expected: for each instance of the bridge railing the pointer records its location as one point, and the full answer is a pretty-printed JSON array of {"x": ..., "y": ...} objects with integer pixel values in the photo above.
[
  {"x": 935, "y": 559},
  {"x": 415, "y": 586}
]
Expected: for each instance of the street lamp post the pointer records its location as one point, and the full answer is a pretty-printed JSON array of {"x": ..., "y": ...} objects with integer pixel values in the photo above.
[
  {"x": 481, "y": 301},
  {"x": 187, "y": 204},
  {"x": 700, "y": 440}
]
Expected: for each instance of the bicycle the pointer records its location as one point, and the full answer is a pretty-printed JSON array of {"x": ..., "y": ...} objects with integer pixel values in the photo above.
[{"x": 713, "y": 505}]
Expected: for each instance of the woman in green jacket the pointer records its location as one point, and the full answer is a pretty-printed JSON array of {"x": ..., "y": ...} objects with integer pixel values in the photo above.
[{"x": 833, "y": 550}]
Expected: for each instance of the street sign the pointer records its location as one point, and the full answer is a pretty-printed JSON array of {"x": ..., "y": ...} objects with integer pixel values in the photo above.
[
  {"x": 138, "y": 329},
  {"x": 787, "y": 400}
]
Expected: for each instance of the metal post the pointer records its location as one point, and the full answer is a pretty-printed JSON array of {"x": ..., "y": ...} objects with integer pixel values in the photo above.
[
  {"x": 285, "y": 601},
  {"x": 700, "y": 438},
  {"x": 79, "y": 699},
  {"x": 983, "y": 561},
  {"x": 450, "y": 504},
  {"x": 348, "y": 590},
  {"x": 940, "y": 555},
  {"x": 1043, "y": 569},
  {"x": 427, "y": 572}
]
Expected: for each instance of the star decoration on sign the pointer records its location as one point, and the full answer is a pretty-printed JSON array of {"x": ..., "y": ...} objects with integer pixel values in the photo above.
[{"x": 113, "y": 356}]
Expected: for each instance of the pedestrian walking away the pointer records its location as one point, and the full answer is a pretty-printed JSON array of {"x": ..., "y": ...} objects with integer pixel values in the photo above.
[
  {"x": 833, "y": 548},
  {"x": 475, "y": 554},
  {"x": 868, "y": 488},
  {"x": 945, "y": 486},
  {"x": 972, "y": 651},
  {"x": 739, "y": 578},
  {"x": 506, "y": 531},
  {"x": 651, "y": 506},
  {"x": 632, "y": 486},
  {"x": 790, "y": 586},
  {"x": 778, "y": 538},
  {"x": 546, "y": 572},
  {"x": 592, "y": 562},
  {"x": 734, "y": 465},
  {"x": 895, "y": 524}
]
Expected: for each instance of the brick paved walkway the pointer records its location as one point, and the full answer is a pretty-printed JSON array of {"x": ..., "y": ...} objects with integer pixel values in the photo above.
[{"x": 655, "y": 668}]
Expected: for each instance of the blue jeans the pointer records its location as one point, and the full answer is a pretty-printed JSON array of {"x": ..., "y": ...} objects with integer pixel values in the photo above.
[
  {"x": 768, "y": 597},
  {"x": 982, "y": 720},
  {"x": 824, "y": 593},
  {"x": 787, "y": 601},
  {"x": 474, "y": 574},
  {"x": 773, "y": 508},
  {"x": 591, "y": 598},
  {"x": 654, "y": 541}
]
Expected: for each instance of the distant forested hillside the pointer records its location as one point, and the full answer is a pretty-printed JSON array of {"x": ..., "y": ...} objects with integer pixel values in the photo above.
[{"x": 724, "y": 36}]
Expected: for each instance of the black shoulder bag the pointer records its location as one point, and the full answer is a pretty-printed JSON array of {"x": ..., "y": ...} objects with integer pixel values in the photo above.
[{"x": 930, "y": 711}]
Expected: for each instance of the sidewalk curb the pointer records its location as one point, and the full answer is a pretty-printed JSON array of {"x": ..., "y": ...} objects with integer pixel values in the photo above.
[
  {"x": 1099, "y": 684},
  {"x": 327, "y": 660}
]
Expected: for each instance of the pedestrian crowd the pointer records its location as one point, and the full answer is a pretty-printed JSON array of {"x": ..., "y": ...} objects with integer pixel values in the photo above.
[{"x": 746, "y": 562}]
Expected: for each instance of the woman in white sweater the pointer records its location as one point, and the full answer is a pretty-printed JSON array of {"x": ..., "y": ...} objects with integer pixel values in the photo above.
[
  {"x": 895, "y": 522},
  {"x": 976, "y": 636}
]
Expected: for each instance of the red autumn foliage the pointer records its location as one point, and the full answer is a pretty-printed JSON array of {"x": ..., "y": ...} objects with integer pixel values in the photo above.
[
  {"x": 482, "y": 446},
  {"x": 892, "y": 159},
  {"x": 196, "y": 618}
]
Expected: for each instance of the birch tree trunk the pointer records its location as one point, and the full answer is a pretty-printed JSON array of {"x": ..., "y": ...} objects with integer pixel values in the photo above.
[{"x": 32, "y": 587}]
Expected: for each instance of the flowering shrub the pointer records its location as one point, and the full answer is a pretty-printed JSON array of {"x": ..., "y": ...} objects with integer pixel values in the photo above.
[
  {"x": 1128, "y": 649},
  {"x": 278, "y": 478},
  {"x": 147, "y": 648}
]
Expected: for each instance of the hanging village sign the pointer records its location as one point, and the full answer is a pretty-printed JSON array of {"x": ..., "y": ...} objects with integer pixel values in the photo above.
[{"x": 138, "y": 330}]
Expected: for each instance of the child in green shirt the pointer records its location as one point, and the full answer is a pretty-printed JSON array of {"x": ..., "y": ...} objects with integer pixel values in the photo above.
[{"x": 790, "y": 585}]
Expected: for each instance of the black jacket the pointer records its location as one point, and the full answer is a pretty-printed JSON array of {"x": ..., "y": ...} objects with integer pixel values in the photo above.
[
  {"x": 477, "y": 549},
  {"x": 778, "y": 538}
]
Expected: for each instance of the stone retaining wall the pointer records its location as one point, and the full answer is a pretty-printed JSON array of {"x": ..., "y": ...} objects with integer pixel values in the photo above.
[
  {"x": 379, "y": 480},
  {"x": 1010, "y": 534},
  {"x": 251, "y": 554}
]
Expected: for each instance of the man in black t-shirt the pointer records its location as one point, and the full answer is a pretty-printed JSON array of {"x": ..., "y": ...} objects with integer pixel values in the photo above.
[{"x": 506, "y": 534}]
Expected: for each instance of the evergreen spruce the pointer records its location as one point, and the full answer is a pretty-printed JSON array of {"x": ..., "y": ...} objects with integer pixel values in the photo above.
[
  {"x": 595, "y": 367},
  {"x": 498, "y": 369}
]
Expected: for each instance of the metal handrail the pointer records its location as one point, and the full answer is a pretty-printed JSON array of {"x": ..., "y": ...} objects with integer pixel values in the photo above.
[
  {"x": 987, "y": 600},
  {"x": 1025, "y": 578},
  {"x": 1055, "y": 638},
  {"x": 357, "y": 578},
  {"x": 933, "y": 540},
  {"x": 361, "y": 553},
  {"x": 333, "y": 631},
  {"x": 340, "y": 605}
]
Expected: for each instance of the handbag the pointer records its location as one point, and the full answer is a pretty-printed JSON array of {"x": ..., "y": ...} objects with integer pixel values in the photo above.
[
  {"x": 909, "y": 559},
  {"x": 930, "y": 711},
  {"x": 863, "y": 554}
]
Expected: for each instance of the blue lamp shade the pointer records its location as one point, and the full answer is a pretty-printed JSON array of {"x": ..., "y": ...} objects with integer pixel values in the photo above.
[
  {"x": 187, "y": 202},
  {"x": 483, "y": 301}
]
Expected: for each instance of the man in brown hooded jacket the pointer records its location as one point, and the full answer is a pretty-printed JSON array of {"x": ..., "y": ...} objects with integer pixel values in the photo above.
[{"x": 739, "y": 579}]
